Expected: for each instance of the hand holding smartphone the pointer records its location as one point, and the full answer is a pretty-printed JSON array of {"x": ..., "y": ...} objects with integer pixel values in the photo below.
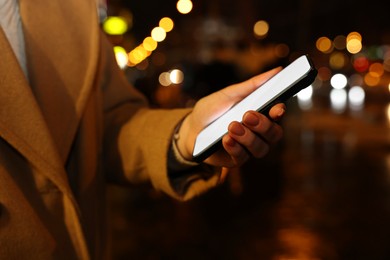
[{"x": 285, "y": 84}]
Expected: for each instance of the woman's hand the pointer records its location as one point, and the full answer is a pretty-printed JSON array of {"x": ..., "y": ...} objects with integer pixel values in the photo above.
[{"x": 252, "y": 137}]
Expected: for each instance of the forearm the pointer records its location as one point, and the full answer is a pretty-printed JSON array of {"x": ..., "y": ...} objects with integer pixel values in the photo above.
[{"x": 144, "y": 153}]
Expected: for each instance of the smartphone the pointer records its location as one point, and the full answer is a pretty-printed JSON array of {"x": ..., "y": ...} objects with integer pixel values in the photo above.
[{"x": 285, "y": 84}]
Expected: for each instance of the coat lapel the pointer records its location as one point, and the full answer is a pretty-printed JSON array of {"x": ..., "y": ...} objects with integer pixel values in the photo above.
[
  {"x": 61, "y": 67},
  {"x": 39, "y": 117},
  {"x": 21, "y": 121}
]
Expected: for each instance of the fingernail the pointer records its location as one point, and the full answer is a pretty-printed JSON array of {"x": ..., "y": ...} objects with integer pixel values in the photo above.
[
  {"x": 251, "y": 119},
  {"x": 236, "y": 129},
  {"x": 281, "y": 112}
]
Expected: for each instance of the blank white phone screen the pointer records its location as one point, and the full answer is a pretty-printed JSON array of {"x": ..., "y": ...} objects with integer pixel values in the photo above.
[{"x": 257, "y": 100}]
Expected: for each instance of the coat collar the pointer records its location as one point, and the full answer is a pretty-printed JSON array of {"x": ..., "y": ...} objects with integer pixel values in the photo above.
[
  {"x": 21, "y": 122},
  {"x": 61, "y": 49},
  {"x": 39, "y": 117}
]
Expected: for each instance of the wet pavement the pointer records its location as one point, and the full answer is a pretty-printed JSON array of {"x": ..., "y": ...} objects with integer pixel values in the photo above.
[{"x": 322, "y": 193}]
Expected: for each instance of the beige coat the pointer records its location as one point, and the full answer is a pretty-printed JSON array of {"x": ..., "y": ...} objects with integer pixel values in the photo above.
[{"x": 74, "y": 124}]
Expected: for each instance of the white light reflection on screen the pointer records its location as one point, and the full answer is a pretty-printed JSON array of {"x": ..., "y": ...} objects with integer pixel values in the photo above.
[
  {"x": 356, "y": 97},
  {"x": 338, "y": 99},
  {"x": 305, "y": 98}
]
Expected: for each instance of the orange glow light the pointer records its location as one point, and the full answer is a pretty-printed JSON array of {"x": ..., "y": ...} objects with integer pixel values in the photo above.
[
  {"x": 376, "y": 69},
  {"x": 370, "y": 80},
  {"x": 282, "y": 50},
  {"x": 354, "y": 46},
  {"x": 261, "y": 29},
  {"x": 149, "y": 44},
  {"x": 324, "y": 44},
  {"x": 324, "y": 74},
  {"x": 337, "y": 60},
  {"x": 167, "y": 24},
  {"x": 354, "y": 35},
  {"x": 340, "y": 42}
]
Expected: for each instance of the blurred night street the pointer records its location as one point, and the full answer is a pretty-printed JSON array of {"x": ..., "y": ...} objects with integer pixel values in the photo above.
[{"x": 324, "y": 191}]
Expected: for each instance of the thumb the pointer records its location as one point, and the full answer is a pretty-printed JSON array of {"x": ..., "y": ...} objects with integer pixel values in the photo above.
[{"x": 241, "y": 90}]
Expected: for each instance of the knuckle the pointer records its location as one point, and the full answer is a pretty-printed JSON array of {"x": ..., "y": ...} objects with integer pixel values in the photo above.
[
  {"x": 277, "y": 134},
  {"x": 262, "y": 151}
]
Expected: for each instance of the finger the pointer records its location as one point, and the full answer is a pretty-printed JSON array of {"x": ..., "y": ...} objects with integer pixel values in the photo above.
[
  {"x": 243, "y": 89},
  {"x": 252, "y": 142},
  {"x": 277, "y": 111},
  {"x": 223, "y": 175},
  {"x": 263, "y": 126},
  {"x": 238, "y": 154}
]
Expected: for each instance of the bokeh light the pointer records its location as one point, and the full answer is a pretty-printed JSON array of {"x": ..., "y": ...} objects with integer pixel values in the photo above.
[
  {"x": 164, "y": 79},
  {"x": 176, "y": 76},
  {"x": 371, "y": 80},
  {"x": 356, "y": 97},
  {"x": 376, "y": 69},
  {"x": 324, "y": 44},
  {"x": 138, "y": 55},
  {"x": 339, "y": 55},
  {"x": 184, "y": 6},
  {"x": 338, "y": 99},
  {"x": 261, "y": 29},
  {"x": 306, "y": 93},
  {"x": 339, "y": 42},
  {"x": 354, "y": 35},
  {"x": 360, "y": 63},
  {"x": 115, "y": 25},
  {"x": 337, "y": 60},
  {"x": 386, "y": 64},
  {"x": 339, "y": 81},
  {"x": 121, "y": 56},
  {"x": 158, "y": 34},
  {"x": 324, "y": 73},
  {"x": 354, "y": 42},
  {"x": 149, "y": 44},
  {"x": 355, "y": 80},
  {"x": 305, "y": 98},
  {"x": 282, "y": 50},
  {"x": 167, "y": 24},
  {"x": 354, "y": 46}
]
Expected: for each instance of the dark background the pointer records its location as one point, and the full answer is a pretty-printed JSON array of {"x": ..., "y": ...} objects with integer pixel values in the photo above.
[
  {"x": 290, "y": 20},
  {"x": 322, "y": 193}
]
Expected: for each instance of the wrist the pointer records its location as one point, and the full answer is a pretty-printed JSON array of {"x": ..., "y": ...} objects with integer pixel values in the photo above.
[{"x": 183, "y": 140}]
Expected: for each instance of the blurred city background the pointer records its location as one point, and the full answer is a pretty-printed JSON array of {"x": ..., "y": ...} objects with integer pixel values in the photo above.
[{"x": 324, "y": 191}]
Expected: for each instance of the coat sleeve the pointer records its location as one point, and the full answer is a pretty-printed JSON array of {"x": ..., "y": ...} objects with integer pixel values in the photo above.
[{"x": 137, "y": 139}]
